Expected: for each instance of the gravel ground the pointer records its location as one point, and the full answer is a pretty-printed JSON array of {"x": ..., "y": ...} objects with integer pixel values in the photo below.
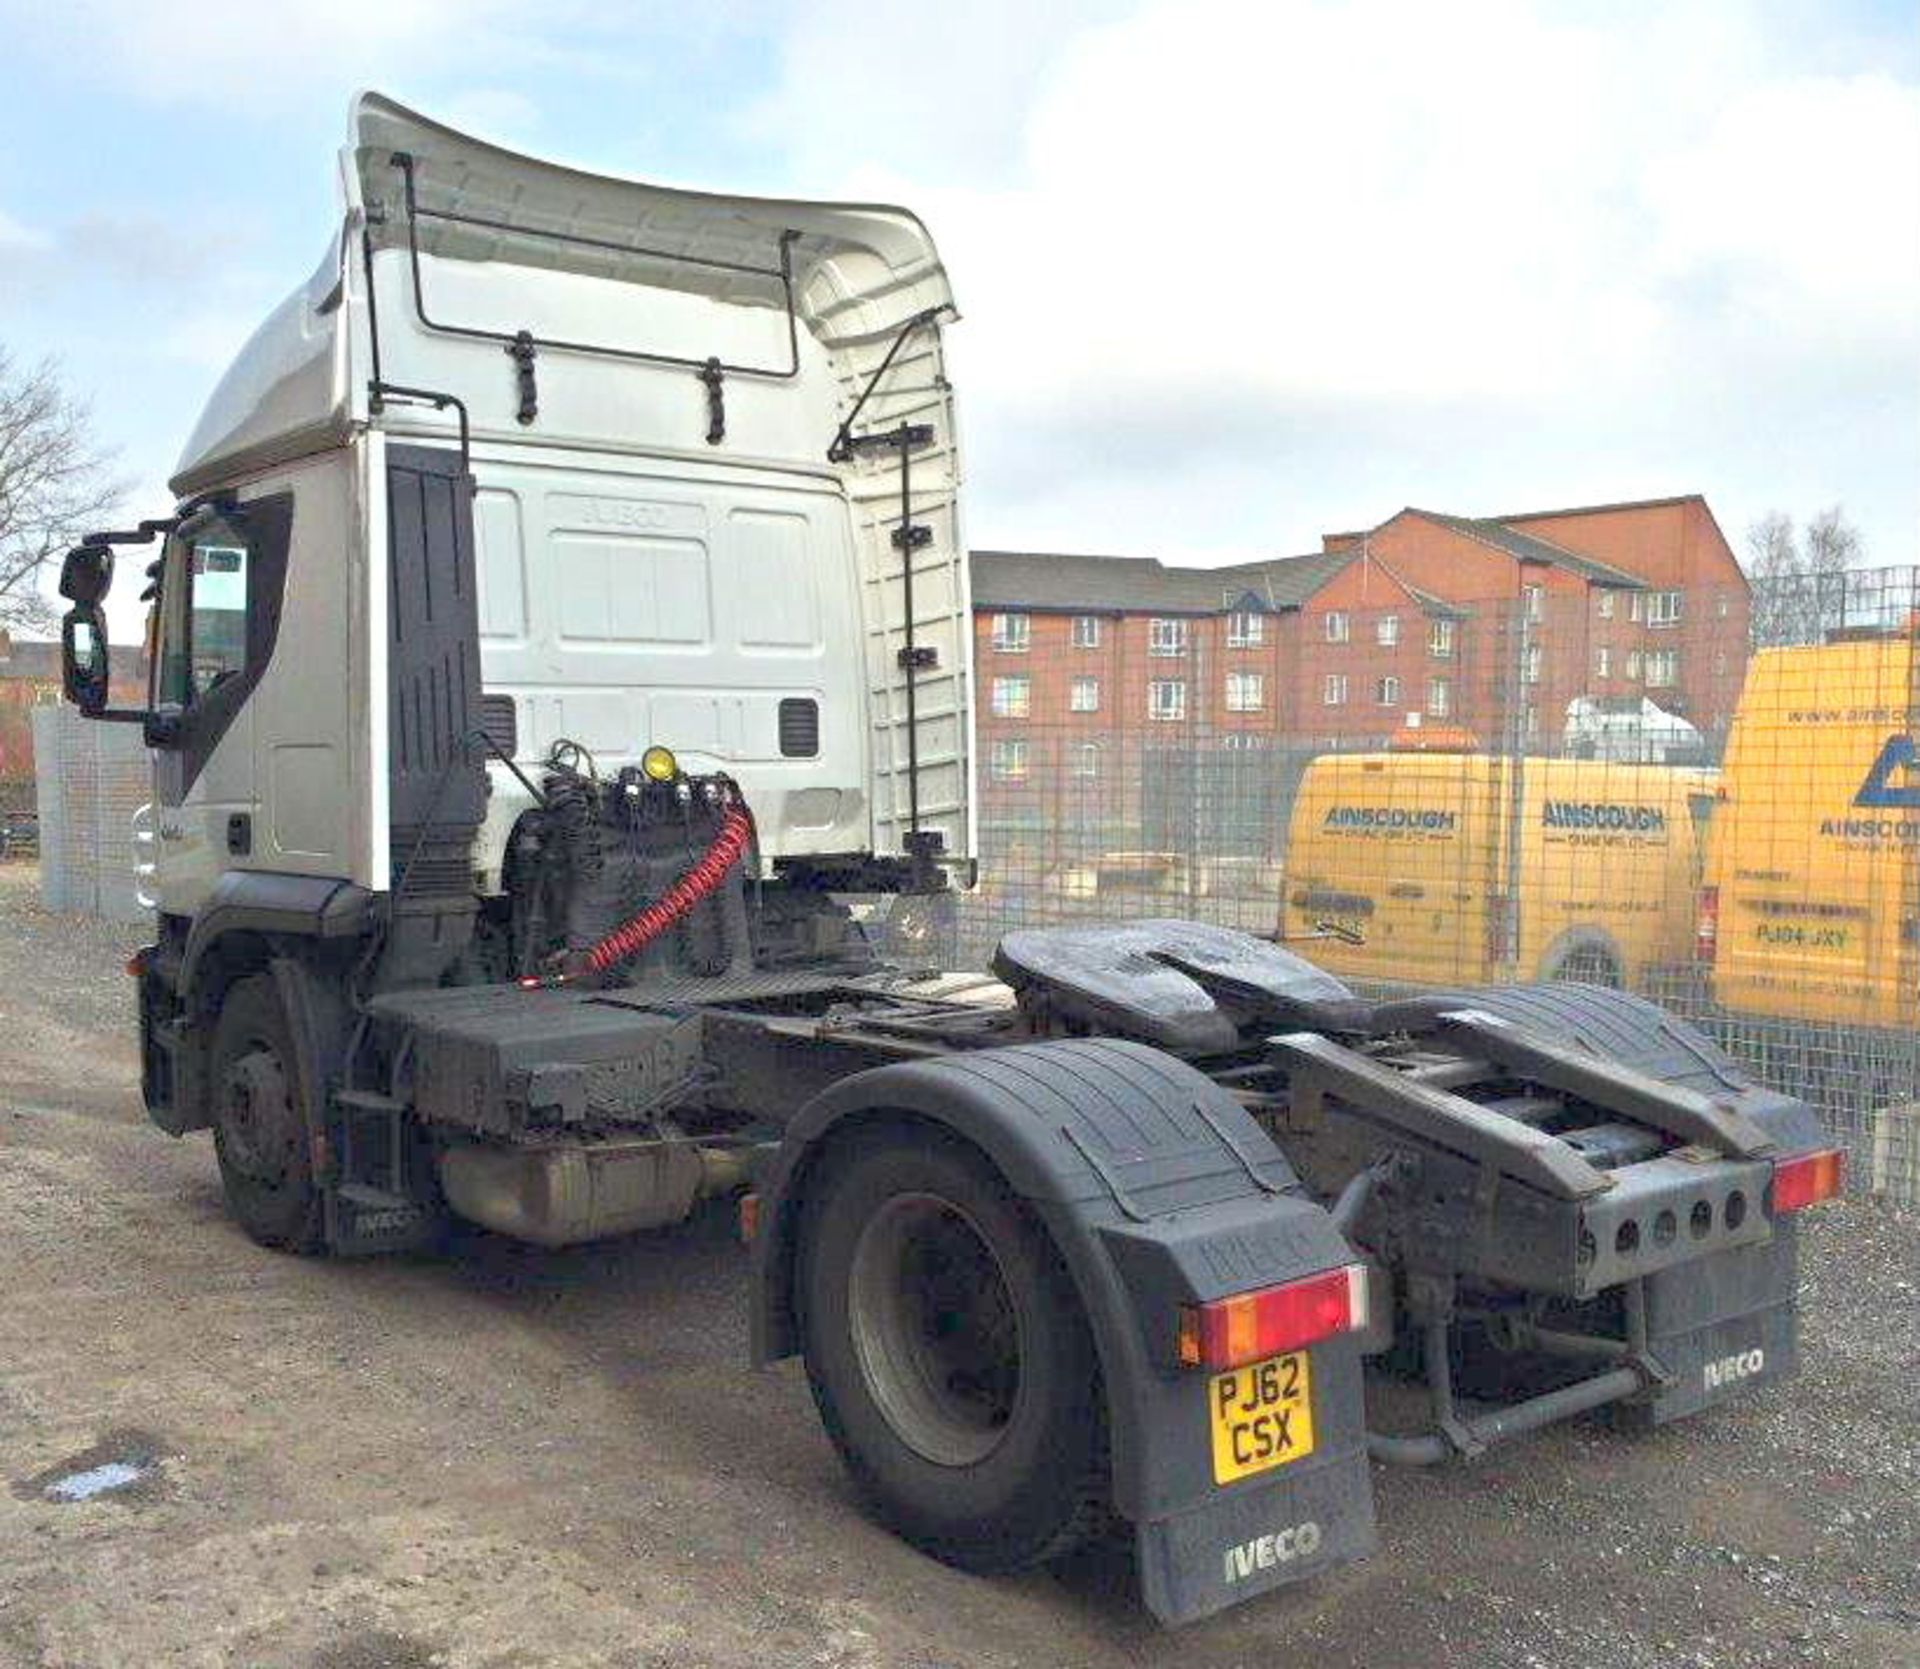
[{"x": 503, "y": 1458}]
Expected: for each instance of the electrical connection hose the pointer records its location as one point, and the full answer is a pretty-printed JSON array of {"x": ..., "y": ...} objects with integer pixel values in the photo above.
[{"x": 635, "y": 934}]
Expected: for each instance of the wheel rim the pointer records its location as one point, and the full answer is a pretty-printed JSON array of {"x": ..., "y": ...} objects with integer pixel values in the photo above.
[
  {"x": 935, "y": 1329},
  {"x": 260, "y": 1131}
]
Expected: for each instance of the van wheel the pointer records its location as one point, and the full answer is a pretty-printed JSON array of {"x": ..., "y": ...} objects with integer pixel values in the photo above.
[
  {"x": 950, "y": 1357},
  {"x": 1584, "y": 956},
  {"x": 259, "y": 1122}
]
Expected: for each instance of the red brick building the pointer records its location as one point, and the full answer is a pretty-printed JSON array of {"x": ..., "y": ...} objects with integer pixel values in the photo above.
[
  {"x": 29, "y": 678},
  {"x": 1090, "y": 667}
]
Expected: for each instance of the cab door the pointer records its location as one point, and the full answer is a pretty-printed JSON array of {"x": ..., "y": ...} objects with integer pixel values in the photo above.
[{"x": 219, "y": 606}]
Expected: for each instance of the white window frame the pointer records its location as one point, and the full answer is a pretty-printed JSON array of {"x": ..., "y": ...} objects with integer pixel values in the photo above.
[
  {"x": 1339, "y": 626},
  {"x": 1086, "y": 759},
  {"x": 1083, "y": 695},
  {"x": 1166, "y": 638},
  {"x": 1662, "y": 667},
  {"x": 1246, "y": 629},
  {"x": 1167, "y": 699},
  {"x": 1333, "y": 690},
  {"x": 1663, "y": 608},
  {"x": 1008, "y": 759},
  {"x": 1246, "y": 692},
  {"x": 1603, "y": 661},
  {"x": 1606, "y": 603},
  {"x": 1386, "y": 690},
  {"x": 1633, "y": 666},
  {"x": 1011, "y": 697},
  {"x": 1531, "y": 658},
  {"x": 1085, "y": 632},
  {"x": 1439, "y": 698},
  {"x": 1534, "y": 601},
  {"x": 1440, "y": 639},
  {"x": 1012, "y": 633},
  {"x": 1386, "y": 631}
]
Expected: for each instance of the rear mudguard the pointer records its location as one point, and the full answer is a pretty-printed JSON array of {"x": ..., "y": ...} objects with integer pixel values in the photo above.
[{"x": 1158, "y": 1189}]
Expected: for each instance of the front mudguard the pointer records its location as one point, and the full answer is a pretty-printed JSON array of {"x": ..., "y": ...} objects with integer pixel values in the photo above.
[{"x": 1158, "y": 1190}]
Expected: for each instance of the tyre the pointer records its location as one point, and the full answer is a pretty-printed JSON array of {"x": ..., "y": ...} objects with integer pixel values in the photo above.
[
  {"x": 259, "y": 1123},
  {"x": 1584, "y": 956},
  {"x": 949, "y": 1355}
]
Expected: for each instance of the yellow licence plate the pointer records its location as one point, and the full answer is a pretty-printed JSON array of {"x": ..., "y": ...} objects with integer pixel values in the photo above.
[{"x": 1262, "y": 1416}]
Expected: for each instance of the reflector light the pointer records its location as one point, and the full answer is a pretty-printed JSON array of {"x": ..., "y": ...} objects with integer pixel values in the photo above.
[
  {"x": 1230, "y": 1332},
  {"x": 1808, "y": 1178},
  {"x": 1706, "y": 929},
  {"x": 659, "y": 765}
]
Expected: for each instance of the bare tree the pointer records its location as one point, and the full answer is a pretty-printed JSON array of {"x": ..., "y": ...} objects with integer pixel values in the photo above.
[
  {"x": 1802, "y": 582},
  {"x": 54, "y": 485}
]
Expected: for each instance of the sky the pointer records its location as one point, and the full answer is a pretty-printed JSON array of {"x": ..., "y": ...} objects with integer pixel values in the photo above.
[{"x": 1231, "y": 275}]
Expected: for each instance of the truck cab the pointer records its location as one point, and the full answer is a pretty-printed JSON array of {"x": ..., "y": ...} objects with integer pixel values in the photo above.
[{"x": 630, "y": 406}]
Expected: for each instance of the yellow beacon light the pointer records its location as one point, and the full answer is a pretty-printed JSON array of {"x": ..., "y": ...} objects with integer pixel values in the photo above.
[{"x": 659, "y": 765}]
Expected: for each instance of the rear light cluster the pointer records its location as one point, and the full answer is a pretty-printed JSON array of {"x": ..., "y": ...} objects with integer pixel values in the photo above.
[
  {"x": 1808, "y": 1178},
  {"x": 1706, "y": 929},
  {"x": 1230, "y": 1332}
]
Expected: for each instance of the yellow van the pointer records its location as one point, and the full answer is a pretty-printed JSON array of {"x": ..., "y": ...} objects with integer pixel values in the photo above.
[
  {"x": 1466, "y": 869},
  {"x": 1811, "y": 908}
]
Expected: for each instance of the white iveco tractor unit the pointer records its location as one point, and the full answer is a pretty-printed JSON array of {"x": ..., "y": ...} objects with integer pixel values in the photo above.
[{"x": 563, "y": 614}]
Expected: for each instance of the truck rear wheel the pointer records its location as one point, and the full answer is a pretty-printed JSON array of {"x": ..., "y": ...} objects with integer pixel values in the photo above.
[
  {"x": 949, "y": 1356},
  {"x": 259, "y": 1124}
]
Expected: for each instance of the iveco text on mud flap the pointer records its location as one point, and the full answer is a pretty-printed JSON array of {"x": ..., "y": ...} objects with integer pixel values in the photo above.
[{"x": 563, "y": 611}]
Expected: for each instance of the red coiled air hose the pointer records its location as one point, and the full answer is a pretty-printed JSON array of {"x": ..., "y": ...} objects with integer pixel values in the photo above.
[{"x": 736, "y": 834}]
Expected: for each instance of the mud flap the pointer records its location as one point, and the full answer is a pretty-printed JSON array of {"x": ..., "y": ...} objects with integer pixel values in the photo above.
[
  {"x": 1722, "y": 1326},
  {"x": 1255, "y": 1537}
]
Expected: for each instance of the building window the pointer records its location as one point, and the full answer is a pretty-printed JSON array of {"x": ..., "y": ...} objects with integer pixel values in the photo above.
[
  {"x": 1606, "y": 605},
  {"x": 1603, "y": 661},
  {"x": 1663, "y": 668},
  {"x": 1086, "y": 631},
  {"x": 1633, "y": 606},
  {"x": 1086, "y": 759},
  {"x": 1440, "y": 640},
  {"x": 1167, "y": 638},
  {"x": 1439, "y": 697},
  {"x": 1007, "y": 759},
  {"x": 1246, "y": 692},
  {"x": 1533, "y": 721},
  {"x": 1338, "y": 626},
  {"x": 1663, "y": 608},
  {"x": 1245, "y": 629},
  {"x": 1386, "y": 691},
  {"x": 1721, "y": 605},
  {"x": 1084, "y": 697},
  {"x": 1633, "y": 666},
  {"x": 1386, "y": 630},
  {"x": 1535, "y": 598},
  {"x": 1243, "y": 741},
  {"x": 1012, "y": 697},
  {"x": 1012, "y": 633},
  {"x": 1166, "y": 699},
  {"x": 1530, "y": 664},
  {"x": 1720, "y": 663},
  {"x": 1334, "y": 691}
]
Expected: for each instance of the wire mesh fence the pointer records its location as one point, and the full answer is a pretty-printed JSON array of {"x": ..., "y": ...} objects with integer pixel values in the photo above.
[
  {"x": 90, "y": 781},
  {"x": 1710, "y": 797}
]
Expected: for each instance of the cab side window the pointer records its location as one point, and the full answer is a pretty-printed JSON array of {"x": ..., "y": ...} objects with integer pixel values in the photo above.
[{"x": 206, "y": 632}]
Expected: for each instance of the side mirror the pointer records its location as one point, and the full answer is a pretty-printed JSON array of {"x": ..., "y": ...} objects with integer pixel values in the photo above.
[
  {"x": 83, "y": 656},
  {"x": 86, "y": 575}
]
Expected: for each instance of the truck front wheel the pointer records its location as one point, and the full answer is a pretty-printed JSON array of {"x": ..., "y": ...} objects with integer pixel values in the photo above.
[
  {"x": 949, "y": 1355},
  {"x": 259, "y": 1125}
]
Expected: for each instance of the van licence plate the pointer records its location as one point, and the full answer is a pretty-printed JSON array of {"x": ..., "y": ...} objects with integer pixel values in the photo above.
[{"x": 1262, "y": 1416}]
